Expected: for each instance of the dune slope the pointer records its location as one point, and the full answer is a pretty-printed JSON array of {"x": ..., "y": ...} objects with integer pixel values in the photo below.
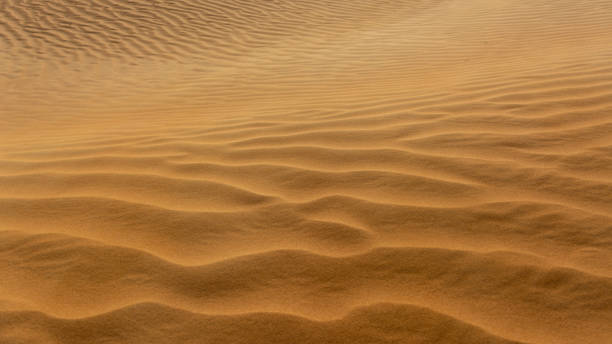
[{"x": 368, "y": 171}]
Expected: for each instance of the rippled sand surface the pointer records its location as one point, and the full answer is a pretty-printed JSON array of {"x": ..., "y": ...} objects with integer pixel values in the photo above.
[{"x": 317, "y": 171}]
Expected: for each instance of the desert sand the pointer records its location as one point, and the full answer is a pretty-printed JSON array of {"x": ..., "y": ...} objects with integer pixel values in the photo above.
[{"x": 316, "y": 171}]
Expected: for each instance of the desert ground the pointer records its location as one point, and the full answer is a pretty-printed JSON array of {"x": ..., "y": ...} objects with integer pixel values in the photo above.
[{"x": 305, "y": 171}]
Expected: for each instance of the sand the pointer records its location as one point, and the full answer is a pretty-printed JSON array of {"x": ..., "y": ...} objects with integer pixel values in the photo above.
[{"x": 367, "y": 171}]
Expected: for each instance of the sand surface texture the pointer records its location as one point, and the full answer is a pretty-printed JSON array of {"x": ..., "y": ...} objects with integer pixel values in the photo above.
[{"x": 305, "y": 171}]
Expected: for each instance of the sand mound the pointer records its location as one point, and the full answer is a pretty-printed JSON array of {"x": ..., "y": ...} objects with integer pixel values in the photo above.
[
  {"x": 314, "y": 171},
  {"x": 382, "y": 323}
]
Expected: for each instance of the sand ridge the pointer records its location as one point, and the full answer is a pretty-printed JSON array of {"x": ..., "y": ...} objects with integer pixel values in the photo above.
[{"x": 312, "y": 171}]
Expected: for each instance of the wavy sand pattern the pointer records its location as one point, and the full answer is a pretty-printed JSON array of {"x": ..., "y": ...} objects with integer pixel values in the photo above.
[{"x": 243, "y": 171}]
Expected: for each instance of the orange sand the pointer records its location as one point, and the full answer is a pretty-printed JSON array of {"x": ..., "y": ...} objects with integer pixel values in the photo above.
[{"x": 368, "y": 171}]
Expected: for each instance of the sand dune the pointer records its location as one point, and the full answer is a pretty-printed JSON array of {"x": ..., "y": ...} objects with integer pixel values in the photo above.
[
  {"x": 376, "y": 324},
  {"x": 245, "y": 171},
  {"x": 310, "y": 285}
]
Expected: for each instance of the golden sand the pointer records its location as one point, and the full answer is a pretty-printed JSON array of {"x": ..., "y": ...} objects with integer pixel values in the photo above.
[{"x": 250, "y": 171}]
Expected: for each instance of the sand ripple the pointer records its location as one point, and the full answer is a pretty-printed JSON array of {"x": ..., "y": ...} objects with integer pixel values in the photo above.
[{"x": 312, "y": 171}]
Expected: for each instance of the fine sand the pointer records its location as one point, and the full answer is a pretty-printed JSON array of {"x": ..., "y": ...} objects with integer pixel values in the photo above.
[{"x": 305, "y": 171}]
